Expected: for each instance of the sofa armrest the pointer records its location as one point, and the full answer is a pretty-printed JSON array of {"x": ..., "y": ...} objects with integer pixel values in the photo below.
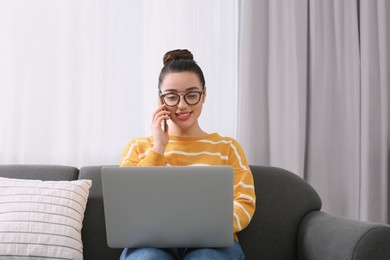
[{"x": 322, "y": 236}]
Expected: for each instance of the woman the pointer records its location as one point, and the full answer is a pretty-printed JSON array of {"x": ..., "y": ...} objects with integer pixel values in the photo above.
[{"x": 182, "y": 92}]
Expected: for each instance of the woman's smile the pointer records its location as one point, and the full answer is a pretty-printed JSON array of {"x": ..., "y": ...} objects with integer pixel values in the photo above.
[{"x": 183, "y": 115}]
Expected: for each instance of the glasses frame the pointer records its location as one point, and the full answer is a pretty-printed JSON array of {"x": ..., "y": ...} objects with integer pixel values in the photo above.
[{"x": 162, "y": 96}]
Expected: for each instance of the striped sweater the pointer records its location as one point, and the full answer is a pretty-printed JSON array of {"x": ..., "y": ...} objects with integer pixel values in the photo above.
[{"x": 211, "y": 149}]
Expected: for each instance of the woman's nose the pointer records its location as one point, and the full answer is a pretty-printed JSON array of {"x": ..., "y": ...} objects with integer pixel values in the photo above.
[{"x": 182, "y": 103}]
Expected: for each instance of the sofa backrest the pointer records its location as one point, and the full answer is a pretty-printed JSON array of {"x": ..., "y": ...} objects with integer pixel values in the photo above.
[
  {"x": 282, "y": 200},
  {"x": 39, "y": 172},
  {"x": 94, "y": 227}
]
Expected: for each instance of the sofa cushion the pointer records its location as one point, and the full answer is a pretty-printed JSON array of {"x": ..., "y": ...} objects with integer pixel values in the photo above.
[{"x": 42, "y": 218}]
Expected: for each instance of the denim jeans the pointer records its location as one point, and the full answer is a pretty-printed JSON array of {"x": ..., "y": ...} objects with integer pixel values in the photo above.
[{"x": 233, "y": 252}]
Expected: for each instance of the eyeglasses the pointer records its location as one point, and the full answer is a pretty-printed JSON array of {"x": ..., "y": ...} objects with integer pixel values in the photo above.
[{"x": 191, "y": 98}]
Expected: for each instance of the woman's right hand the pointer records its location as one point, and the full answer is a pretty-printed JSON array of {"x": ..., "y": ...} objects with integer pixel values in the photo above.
[{"x": 161, "y": 138}]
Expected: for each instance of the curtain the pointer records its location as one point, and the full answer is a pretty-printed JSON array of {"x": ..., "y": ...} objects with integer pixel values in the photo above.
[
  {"x": 64, "y": 85},
  {"x": 375, "y": 110},
  {"x": 316, "y": 74},
  {"x": 78, "y": 79}
]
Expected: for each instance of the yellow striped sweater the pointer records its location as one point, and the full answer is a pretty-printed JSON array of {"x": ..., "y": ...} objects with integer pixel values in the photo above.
[{"x": 211, "y": 149}]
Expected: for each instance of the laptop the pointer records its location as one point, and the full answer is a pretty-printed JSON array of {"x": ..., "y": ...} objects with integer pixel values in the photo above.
[{"x": 168, "y": 207}]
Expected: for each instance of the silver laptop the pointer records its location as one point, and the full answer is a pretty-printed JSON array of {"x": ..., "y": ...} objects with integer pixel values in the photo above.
[{"x": 168, "y": 207}]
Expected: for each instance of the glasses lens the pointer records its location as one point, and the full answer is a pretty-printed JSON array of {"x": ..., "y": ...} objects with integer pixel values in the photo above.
[
  {"x": 192, "y": 98},
  {"x": 171, "y": 99}
]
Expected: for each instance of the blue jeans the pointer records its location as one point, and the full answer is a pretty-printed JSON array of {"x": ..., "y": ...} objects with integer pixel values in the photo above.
[{"x": 233, "y": 252}]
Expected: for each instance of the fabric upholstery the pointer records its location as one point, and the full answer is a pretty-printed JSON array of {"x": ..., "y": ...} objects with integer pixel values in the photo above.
[
  {"x": 94, "y": 229},
  {"x": 322, "y": 236},
  {"x": 39, "y": 172},
  {"x": 283, "y": 199}
]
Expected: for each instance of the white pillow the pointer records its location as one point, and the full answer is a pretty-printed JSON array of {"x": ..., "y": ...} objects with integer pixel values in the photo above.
[{"x": 42, "y": 219}]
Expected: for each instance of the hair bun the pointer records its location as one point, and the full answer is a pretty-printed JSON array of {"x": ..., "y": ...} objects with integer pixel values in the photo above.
[{"x": 177, "y": 55}]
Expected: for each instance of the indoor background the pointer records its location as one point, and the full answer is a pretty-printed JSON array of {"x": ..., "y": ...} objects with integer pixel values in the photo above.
[{"x": 303, "y": 85}]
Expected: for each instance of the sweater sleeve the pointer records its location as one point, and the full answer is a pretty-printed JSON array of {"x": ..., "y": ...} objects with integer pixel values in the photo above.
[
  {"x": 244, "y": 190},
  {"x": 134, "y": 156}
]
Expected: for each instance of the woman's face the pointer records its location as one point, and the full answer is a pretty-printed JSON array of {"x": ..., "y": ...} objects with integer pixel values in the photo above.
[{"x": 183, "y": 115}]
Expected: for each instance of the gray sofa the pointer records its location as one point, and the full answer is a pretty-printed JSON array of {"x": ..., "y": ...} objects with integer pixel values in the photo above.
[{"x": 288, "y": 223}]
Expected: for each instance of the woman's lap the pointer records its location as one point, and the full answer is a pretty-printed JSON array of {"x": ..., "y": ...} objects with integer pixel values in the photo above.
[
  {"x": 232, "y": 252},
  {"x": 146, "y": 253}
]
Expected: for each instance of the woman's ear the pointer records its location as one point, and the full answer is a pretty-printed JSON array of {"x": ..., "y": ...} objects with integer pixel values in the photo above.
[{"x": 204, "y": 95}]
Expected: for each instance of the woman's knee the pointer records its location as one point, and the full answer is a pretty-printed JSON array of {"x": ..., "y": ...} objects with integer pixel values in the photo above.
[
  {"x": 145, "y": 253},
  {"x": 206, "y": 253},
  {"x": 233, "y": 252}
]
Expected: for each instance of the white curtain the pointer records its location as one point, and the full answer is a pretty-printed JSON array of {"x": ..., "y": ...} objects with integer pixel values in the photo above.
[
  {"x": 302, "y": 84},
  {"x": 78, "y": 79},
  {"x": 316, "y": 75},
  {"x": 63, "y": 82}
]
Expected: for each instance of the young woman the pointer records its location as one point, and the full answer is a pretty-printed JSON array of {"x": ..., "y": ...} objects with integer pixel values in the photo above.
[{"x": 182, "y": 92}]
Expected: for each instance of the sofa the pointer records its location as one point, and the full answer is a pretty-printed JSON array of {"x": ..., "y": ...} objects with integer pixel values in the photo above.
[{"x": 288, "y": 222}]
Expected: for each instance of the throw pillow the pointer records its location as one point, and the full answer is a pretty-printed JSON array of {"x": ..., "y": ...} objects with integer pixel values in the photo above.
[{"x": 42, "y": 219}]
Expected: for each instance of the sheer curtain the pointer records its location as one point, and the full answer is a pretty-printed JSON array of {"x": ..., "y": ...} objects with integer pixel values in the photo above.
[
  {"x": 64, "y": 84},
  {"x": 317, "y": 74},
  {"x": 78, "y": 79}
]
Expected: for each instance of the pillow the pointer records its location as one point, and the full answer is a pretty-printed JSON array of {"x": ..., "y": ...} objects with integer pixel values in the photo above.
[{"x": 42, "y": 219}]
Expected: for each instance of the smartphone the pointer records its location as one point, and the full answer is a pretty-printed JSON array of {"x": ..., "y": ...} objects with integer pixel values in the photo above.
[{"x": 164, "y": 124}]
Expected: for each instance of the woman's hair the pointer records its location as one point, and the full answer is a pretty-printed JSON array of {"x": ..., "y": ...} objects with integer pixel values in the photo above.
[{"x": 180, "y": 61}]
